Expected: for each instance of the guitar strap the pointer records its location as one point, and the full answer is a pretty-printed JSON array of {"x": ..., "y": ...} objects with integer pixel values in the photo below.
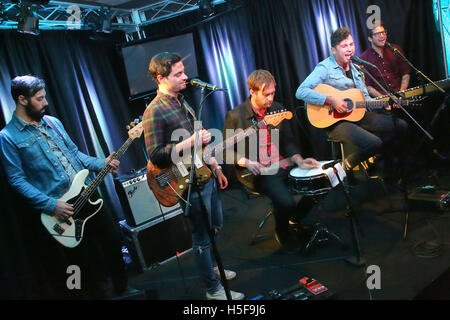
[
  {"x": 54, "y": 127},
  {"x": 188, "y": 108}
]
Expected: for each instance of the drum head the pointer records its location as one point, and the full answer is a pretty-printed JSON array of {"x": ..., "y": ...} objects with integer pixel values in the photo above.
[{"x": 301, "y": 173}]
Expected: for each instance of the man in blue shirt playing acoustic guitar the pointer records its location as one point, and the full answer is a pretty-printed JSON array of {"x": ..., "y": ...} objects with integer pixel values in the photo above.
[{"x": 368, "y": 134}]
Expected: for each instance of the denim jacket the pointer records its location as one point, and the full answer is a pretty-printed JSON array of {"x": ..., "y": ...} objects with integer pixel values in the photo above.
[
  {"x": 329, "y": 72},
  {"x": 32, "y": 168}
]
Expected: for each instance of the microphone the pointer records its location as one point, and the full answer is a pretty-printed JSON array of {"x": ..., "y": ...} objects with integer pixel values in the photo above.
[
  {"x": 361, "y": 61},
  {"x": 330, "y": 164},
  {"x": 388, "y": 45},
  {"x": 200, "y": 83}
]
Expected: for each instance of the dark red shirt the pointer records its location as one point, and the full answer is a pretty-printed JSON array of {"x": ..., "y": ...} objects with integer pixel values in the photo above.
[
  {"x": 392, "y": 68},
  {"x": 268, "y": 153}
]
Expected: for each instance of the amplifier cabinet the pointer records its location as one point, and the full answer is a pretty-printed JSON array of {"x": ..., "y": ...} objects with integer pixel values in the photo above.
[
  {"x": 157, "y": 241},
  {"x": 138, "y": 201}
]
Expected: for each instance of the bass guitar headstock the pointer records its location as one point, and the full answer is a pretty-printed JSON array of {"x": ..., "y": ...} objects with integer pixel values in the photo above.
[{"x": 135, "y": 128}]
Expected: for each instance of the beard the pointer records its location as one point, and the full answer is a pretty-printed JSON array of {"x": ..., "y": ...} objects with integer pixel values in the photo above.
[{"x": 32, "y": 113}]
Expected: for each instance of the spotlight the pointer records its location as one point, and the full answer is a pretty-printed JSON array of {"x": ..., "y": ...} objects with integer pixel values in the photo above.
[
  {"x": 28, "y": 20},
  {"x": 206, "y": 8},
  {"x": 100, "y": 20},
  {"x": 107, "y": 16}
]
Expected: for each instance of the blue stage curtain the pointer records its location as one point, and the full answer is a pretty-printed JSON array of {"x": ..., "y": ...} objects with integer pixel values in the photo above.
[{"x": 228, "y": 56}]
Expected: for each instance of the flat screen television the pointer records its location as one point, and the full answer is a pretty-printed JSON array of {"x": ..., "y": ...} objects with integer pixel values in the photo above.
[{"x": 137, "y": 58}]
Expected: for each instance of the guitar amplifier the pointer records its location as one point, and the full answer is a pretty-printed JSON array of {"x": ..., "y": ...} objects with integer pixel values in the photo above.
[
  {"x": 158, "y": 241},
  {"x": 138, "y": 201}
]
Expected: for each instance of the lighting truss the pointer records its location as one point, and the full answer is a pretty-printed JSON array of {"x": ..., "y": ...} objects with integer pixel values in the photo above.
[{"x": 63, "y": 14}]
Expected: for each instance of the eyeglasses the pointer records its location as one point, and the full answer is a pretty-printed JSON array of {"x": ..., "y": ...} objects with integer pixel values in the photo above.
[{"x": 378, "y": 34}]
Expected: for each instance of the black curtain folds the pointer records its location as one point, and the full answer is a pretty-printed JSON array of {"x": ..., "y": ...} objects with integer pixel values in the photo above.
[{"x": 87, "y": 88}]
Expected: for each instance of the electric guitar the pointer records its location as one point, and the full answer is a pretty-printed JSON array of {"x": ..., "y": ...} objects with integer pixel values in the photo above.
[
  {"x": 69, "y": 232},
  {"x": 169, "y": 184},
  {"x": 325, "y": 116}
]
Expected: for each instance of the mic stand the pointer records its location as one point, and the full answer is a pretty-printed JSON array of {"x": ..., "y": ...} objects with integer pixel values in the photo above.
[
  {"x": 404, "y": 185},
  {"x": 193, "y": 182},
  {"x": 396, "y": 101},
  {"x": 354, "y": 224},
  {"x": 397, "y": 52}
]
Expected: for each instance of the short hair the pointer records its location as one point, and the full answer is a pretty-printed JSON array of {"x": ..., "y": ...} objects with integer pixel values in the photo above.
[
  {"x": 339, "y": 35},
  {"x": 373, "y": 26},
  {"x": 162, "y": 64},
  {"x": 26, "y": 85},
  {"x": 259, "y": 77}
]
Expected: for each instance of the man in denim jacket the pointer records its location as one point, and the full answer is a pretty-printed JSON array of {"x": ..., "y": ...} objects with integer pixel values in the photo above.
[
  {"x": 375, "y": 129},
  {"x": 40, "y": 161}
]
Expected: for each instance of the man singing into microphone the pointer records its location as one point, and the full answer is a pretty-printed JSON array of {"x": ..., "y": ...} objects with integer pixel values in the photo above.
[
  {"x": 394, "y": 70},
  {"x": 168, "y": 112},
  {"x": 368, "y": 135}
]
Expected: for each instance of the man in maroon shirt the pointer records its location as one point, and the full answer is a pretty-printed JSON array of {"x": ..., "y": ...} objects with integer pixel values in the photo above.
[{"x": 394, "y": 70}]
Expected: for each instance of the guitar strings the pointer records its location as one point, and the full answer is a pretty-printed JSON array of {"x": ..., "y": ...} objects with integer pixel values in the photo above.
[{"x": 81, "y": 201}]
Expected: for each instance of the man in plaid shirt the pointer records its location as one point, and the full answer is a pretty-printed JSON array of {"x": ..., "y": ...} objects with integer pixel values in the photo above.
[{"x": 168, "y": 112}]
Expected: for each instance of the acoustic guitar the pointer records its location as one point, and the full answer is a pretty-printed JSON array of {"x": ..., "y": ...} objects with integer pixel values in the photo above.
[{"x": 325, "y": 116}]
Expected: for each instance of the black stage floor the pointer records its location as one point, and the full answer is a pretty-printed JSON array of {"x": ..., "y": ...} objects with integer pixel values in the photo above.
[{"x": 262, "y": 267}]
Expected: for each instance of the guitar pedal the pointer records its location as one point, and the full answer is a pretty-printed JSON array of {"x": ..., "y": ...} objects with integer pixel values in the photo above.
[{"x": 313, "y": 286}]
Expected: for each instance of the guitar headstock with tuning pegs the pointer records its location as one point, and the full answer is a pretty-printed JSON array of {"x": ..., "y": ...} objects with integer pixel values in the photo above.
[
  {"x": 416, "y": 101},
  {"x": 135, "y": 128},
  {"x": 275, "y": 118}
]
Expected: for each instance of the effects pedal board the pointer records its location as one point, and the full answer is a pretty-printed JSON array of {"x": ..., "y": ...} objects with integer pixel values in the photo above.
[{"x": 305, "y": 289}]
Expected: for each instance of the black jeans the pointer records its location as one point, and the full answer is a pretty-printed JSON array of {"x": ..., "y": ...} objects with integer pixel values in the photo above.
[
  {"x": 285, "y": 207},
  {"x": 99, "y": 255},
  {"x": 370, "y": 135}
]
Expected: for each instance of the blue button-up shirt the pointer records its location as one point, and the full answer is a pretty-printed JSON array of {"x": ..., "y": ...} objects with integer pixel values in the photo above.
[
  {"x": 33, "y": 170},
  {"x": 329, "y": 72}
]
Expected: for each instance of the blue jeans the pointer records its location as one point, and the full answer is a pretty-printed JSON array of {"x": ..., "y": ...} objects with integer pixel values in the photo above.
[{"x": 201, "y": 243}]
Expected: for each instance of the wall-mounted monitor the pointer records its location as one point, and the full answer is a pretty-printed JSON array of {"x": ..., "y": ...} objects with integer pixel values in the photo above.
[{"x": 137, "y": 58}]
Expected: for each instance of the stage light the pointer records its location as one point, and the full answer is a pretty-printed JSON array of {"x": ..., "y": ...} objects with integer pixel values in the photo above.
[
  {"x": 28, "y": 20},
  {"x": 206, "y": 8},
  {"x": 100, "y": 20}
]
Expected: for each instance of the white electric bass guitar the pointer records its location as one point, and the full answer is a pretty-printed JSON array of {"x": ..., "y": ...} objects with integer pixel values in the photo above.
[{"x": 69, "y": 232}]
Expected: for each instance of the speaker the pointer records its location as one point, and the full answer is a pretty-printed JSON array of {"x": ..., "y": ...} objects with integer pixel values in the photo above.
[
  {"x": 157, "y": 241},
  {"x": 138, "y": 201}
]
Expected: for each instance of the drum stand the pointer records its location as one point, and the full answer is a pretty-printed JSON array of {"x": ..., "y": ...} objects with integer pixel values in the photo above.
[{"x": 322, "y": 234}]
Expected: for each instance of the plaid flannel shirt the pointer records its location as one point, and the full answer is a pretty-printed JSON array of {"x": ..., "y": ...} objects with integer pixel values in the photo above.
[{"x": 161, "y": 117}]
